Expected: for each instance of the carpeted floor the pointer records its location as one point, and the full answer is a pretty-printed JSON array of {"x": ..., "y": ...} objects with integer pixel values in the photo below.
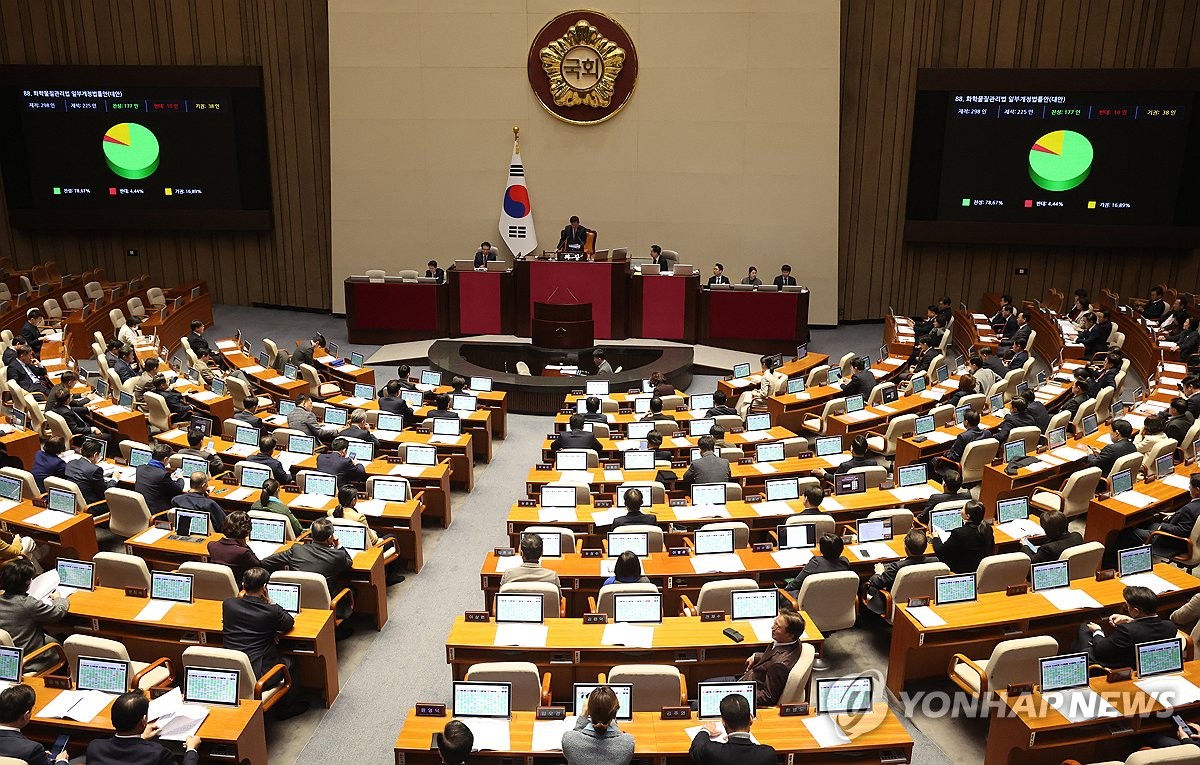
[{"x": 384, "y": 674}]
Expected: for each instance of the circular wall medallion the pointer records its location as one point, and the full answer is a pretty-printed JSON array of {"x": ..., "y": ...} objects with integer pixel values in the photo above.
[{"x": 582, "y": 67}]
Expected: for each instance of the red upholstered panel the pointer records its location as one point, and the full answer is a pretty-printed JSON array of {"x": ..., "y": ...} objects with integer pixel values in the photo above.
[
  {"x": 664, "y": 299},
  {"x": 396, "y": 306},
  {"x": 566, "y": 282},
  {"x": 479, "y": 303},
  {"x": 756, "y": 315}
]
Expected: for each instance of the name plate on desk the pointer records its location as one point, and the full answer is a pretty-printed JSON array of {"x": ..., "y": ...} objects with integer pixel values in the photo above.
[
  {"x": 550, "y": 713},
  {"x": 612, "y": 465},
  {"x": 752, "y": 498},
  {"x": 746, "y": 461},
  {"x": 680, "y": 433},
  {"x": 577, "y": 392},
  {"x": 1120, "y": 675},
  {"x": 679, "y": 463},
  {"x": 805, "y": 455},
  {"x": 603, "y": 503},
  {"x": 676, "y": 713},
  {"x": 137, "y": 592},
  {"x": 394, "y": 460},
  {"x": 595, "y": 618},
  {"x": 679, "y": 503},
  {"x": 712, "y": 616},
  {"x": 678, "y": 552},
  {"x": 1104, "y": 574},
  {"x": 57, "y": 683},
  {"x": 1020, "y": 689},
  {"x": 503, "y": 552},
  {"x": 591, "y": 553},
  {"x": 681, "y": 408},
  {"x": 423, "y": 431},
  {"x": 543, "y": 466},
  {"x": 477, "y": 616},
  {"x": 737, "y": 429},
  {"x": 1016, "y": 589},
  {"x": 430, "y": 710},
  {"x": 230, "y": 481},
  {"x": 918, "y": 602},
  {"x": 762, "y": 547},
  {"x": 526, "y": 503},
  {"x": 793, "y": 710}
]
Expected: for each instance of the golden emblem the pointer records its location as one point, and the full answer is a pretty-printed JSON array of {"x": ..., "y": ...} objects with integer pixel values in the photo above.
[{"x": 582, "y": 66}]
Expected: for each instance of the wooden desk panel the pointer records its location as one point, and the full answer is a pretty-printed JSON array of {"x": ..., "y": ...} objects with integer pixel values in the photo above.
[{"x": 73, "y": 538}]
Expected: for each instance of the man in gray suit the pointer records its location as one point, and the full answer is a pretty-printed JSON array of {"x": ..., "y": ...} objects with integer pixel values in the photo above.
[
  {"x": 709, "y": 468},
  {"x": 531, "y": 569},
  {"x": 323, "y": 555},
  {"x": 23, "y": 616}
]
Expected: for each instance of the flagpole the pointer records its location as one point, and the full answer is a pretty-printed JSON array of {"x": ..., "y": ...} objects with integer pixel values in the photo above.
[{"x": 516, "y": 140}]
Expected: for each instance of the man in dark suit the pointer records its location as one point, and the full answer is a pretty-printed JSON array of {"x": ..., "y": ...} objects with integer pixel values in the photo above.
[
  {"x": 709, "y": 468},
  {"x": 196, "y": 498},
  {"x": 134, "y": 744},
  {"x": 858, "y": 458},
  {"x": 576, "y": 437},
  {"x": 392, "y": 403},
  {"x": 993, "y": 362},
  {"x": 1122, "y": 444},
  {"x": 16, "y": 709},
  {"x": 308, "y": 353},
  {"x": 323, "y": 555},
  {"x": 739, "y": 748},
  {"x": 1036, "y": 409},
  {"x": 633, "y": 512},
  {"x": 154, "y": 482},
  {"x": 357, "y": 428},
  {"x": 998, "y": 318},
  {"x": 196, "y": 338},
  {"x": 1178, "y": 524},
  {"x": 720, "y": 405},
  {"x": 125, "y": 365},
  {"x": 1155, "y": 308},
  {"x": 252, "y": 624},
  {"x": 952, "y": 491},
  {"x": 923, "y": 355},
  {"x": 484, "y": 254},
  {"x": 1008, "y": 324},
  {"x": 829, "y": 561},
  {"x": 1055, "y": 538},
  {"x": 1018, "y": 417},
  {"x": 573, "y": 237},
  {"x": 335, "y": 462},
  {"x": 1107, "y": 377},
  {"x": 441, "y": 404},
  {"x": 915, "y": 542},
  {"x": 87, "y": 474},
  {"x": 861, "y": 381},
  {"x": 718, "y": 276},
  {"x": 247, "y": 418},
  {"x": 195, "y": 439},
  {"x": 1022, "y": 332},
  {"x": 1019, "y": 356},
  {"x": 28, "y": 374},
  {"x": 664, "y": 261},
  {"x": 770, "y": 668},
  {"x": 1140, "y": 624},
  {"x": 177, "y": 406},
  {"x": 1095, "y": 339},
  {"x": 654, "y": 441},
  {"x": 656, "y": 411},
  {"x": 785, "y": 278},
  {"x": 265, "y": 457},
  {"x": 32, "y": 330},
  {"x": 433, "y": 272},
  {"x": 593, "y": 413},
  {"x": 1179, "y": 420},
  {"x": 61, "y": 405},
  {"x": 972, "y": 431},
  {"x": 1191, "y": 393},
  {"x": 18, "y": 343},
  {"x": 967, "y": 545}
]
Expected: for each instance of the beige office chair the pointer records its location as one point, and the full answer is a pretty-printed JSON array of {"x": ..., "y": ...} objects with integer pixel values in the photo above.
[
  {"x": 875, "y": 474},
  {"x": 156, "y": 297},
  {"x": 529, "y": 689},
  {"x": 796, "y": 688},
  {"x": 844, "y": 363},
  {"x": 118, "y": 570},
  {"x": 146, "y": 675},
  {"x": 902, "y": 519},
  {"x": 158, "y": 414},
  {"x": 817, "y": 376},
  {"x": 911, "y": 582},
  {"x": 654, "y": 685},
  {"x": 314, "y": 593},
  {"x": 239, "y": 390},
  {"x": 376, "y": 275},
  {"x": 117, "y": 318},
  {"x": 407, "y": 273},
  {"x": 1104, "y": 400},
  {"x": 1029, "y": 435},
  {"x": 566, "y": 536},
  {"x": 135, "y": 306},
  {"x": 1083, "y": 560},
  {"x": 997, "y": 572},
  {"x": 1086, "y": 408},
  {"x": 658, "y": 492},
  {"x": 1073, "y": 498},
  {"x": 59, "y": 428},
  {"x": 523, "y": 369},
  {"x": 877, "y": 393},
  {"x": 288, "y": 533},
  {"x": 81, "y": 505},
  {"x": 1166, "y": 446},
  {"x": 1059, "y": 420},
  {"x": 603, "y": 603},
  {"x": 94, "y": 290},
  {"x": 716, "y": 596},
  {"x": 654, "y": 535},
  {"x": 825, "y": 524},
  {"x": 210, "y": 581},
  {"x": 830, "y": 600},
  {"x": 1131, "y": 462},
  {"x": 977, "y": 456},
  {"x": 819, "y": 424},
  {"x": 552, "y": 603},
  {"x": 898, "y": 427},
  {"x": 250, "y": 686},
  {"x": 72, "y": 301},
  {"x": 1011, "y": 662},
  {"x": 318, "y": 388}
]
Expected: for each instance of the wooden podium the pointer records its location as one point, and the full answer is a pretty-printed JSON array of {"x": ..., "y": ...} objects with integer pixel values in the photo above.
[{"x": 563, "y": 325}]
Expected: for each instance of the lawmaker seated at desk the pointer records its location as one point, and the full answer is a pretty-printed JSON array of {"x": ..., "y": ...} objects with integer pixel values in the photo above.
[
  {"x": 708, "y": 467},
  {"x": 985, "y": 376},
  {"x": 1122, "y": 444},
  {"x": 392, "y": 402},
  {"x": 531, "y": 569},
  {"x": 952, "y": 491},
  {"x": 859, "y": 457},
  {"x": 1139, "y": 624},
  {"x": 87, "y": 474},
  {"x": 739, "y": 747},
  {"x": 28, "y": 373},
  {"x": 1179, "y": 420},
  {"x": 484, "y": 254},
  {"x": 134, "y": 743},
  {"x": 1168, "y": 536},
  {"x": 720, "y": 406},
  {"x": 268, "y": 501},
  {"x": 718, "y": 275},
  {"x": 966, "y": 546},
  {"x": 751, "y": 277},
  {"x": 195, "y": 439},
  {"x": 785, "y": 278},
  {"x": 455, "y": 743},
  {"x": 322, "y": 555},
  {"x": 24, "y": 617},
  {"x": 770, "y": 668},
  {"x": 596, "y": 738},
  {"x": 633, "y": 514},
  {"x": 48, "y": 461},
  {"x": 627, "y": 569},
  {"x": 16, "y": 710},
  {"x": 1055, "y": 539},
  {"x": 442, "y": 408},
  {"x": 861, "y": 381},
  {"x": 830, "y": 561},
  {"x": 915, "y": 543},
  {"x": 336, "y": 463},
  {"x": 344, "y": 510},
  {"x": 301, "y": 418},
  {"x": 196, "y": 499},
  {"x": 664, "y": 260},
  {"x": 253, "y": 624},
  {"x": 593, "y": 413},
  {"x": 573, "y": 237},
  {"x": 433, "y": 272},
  {"x": 972, "y": 431},
  {"x": 231, "y": 549},
  {"x": 654, "y": 441},
  {"x": 575, "y": 437},
  {"x": 656, "y": 411}
]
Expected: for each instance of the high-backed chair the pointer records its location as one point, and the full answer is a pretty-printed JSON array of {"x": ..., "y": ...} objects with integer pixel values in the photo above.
[
  {"x": 552, "y": 603},
  {"x": 898, "y": 427},
  {"x": 830, "y": 600},
  {"x": 912, "y": 582},
  {"x": 210, "y": 581},
  {"x": 654, "y": 535},
  {"x": 146, "y": 675},
  {"x": 128, "y": 512},
  {"x": 135, "y": 306},
  {"x": 29, "y": 487},
  {"x": 1029, "y": 434},
  {"x": 1073, "y": 498},
  {"x": 825, "y": 524},
  {"x": 604, "y": 600},
  {"x": 997, "y": 572},
  {"x": 1011, "y": 662},
  {"x": 716, "y": 596},
  {"x": 314, "y": 593},
  {"x": 875, "y": 474},
  {"x": 118, "y": 570},
  {"x": 902, "y": 519},
  {"x": 318, "y": 388},
  {"x": 796, "y": 688},
  {"x": 566, "y": 536},
  {"x": 654, "y": 685},
  {"x": 529, "y": 688},
  {"x": 250, "y": 686},
  {"x": 156, "y": 297},
  {"x": 1083, "y": 561}
]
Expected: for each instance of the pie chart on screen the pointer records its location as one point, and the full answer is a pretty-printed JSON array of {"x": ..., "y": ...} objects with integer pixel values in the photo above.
[
  {"x": 1060, "y": 160},
  {"x": 131, "y": 150}
]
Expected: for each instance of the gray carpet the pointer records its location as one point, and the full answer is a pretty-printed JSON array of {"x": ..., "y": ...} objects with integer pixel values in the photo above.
[{"x": 384, "y": 674}]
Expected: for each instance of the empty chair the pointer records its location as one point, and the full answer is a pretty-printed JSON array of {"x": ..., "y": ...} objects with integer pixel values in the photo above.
[
  {"x": 523, "y": 369},
  {"x": 128, "y": 445},
  {"x": 1083, "y": 561},
  {"x": 94, "y": 290},
  {"x": 135, "y": 306},
  {"x": 210, "y": 581},
  {"x": 407, "y": 273},
  {"x": 654, "y": 685},
  {"x": 876, "y": 474},
  {"x": 529, "y": 689},
  {"x": 898, "y": 427},
  {"x": 118, "y": 318},
  {"x": 53, "y": 310},
  {"x": 128, "y": 513},
  {"x": 830, "y": 600},
  {"x": 877, "y": 393},
  {"x": 552, "y": 604},
  {"x": 1182, "y": 754},
  {"x": 817, "y": 376},
  {"x": 1104, "y": 400},
  {"x": 376, "y": 274},
  {"x": 997, "y": 572},
  {"x": 314, "y": 592},
  {"x": 654, "y": 535},
  {"x": 118, "y": 570},
  {"x": 145, "y": 674},
  {"x": 902, "y": 519},
  {"x": 741, "y": 531},
  {"x": 1011, "y": 662},
  {"x": 825, "y": 524},
  {"x": 604, "y": 601},
  {"x": 1166, "y": 446},
  {"x": 156, "y": 297},
  {"x": 1073, "y": 498},
  {"x": 318, "y": 388},
  {"x": 716, "y": 596},
  {"x": 250, "y": 686},
  {"x": 1131, "y": 462},
  {"x": 819, "y": 423}
]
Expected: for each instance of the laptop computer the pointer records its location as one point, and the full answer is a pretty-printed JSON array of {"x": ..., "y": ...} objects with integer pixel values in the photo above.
[
  {"x": 638, "y": 459},
  {"x": 254, "y": 477},
  {"x": 828, "y": 445},
  {"x": 701, "y": 427},
  {"x": 11, "y": 658},
  {"x": 420, "y": 454},
  {"x": 1134, "y": 560},
  {"x": 190, "y": 524},
  {"x": 1063, "y": 673},
  {"x": 849, "y": 483},
  {"x": 759, "y": 421},
  {"x": 772, "y": 452},
  {"x": 351, "y": 536},
  {"x": 391, "y": 490},
  {"x": 571, "y": 460},
  {"x": 447, "y": 426},
  {"x": 874, "y": 530},
  {"x": 551, "y": 543}
]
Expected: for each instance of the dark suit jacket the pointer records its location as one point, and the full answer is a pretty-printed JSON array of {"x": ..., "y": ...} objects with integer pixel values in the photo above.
[
  {"x": 124, "y": 369},
  {"x": 964, "y": 548},
  {"x": 1182, "y": 520},
  {"x": 200, "y": 503},
  {"x": 861, "y": 383},
  {"x": 1117, "y": 648},
  {"x": 1018, "y": 360},
  {"x": 886, "y": 578},
  {"x": 215, "y": 465},
  {"x": 303, "y": 355},
  {"x": 723, "y": 409},
  {"x": 1041, "y": 416},
  {"x": 233, "y": 553},
  {"x": 739, "y": 751},
  {"x": 29, "y": 381},
  {"x": 437, "y": 273},
  {"x": 1154, "y": 309},
  {"x": 1177, "y": 427},
  {"x": 342, "y": 467},
  {"x": 176, "y": 403},
  {"x": 480, "y": 260},
  {"x": 330, "y": 562},
  {"x": 941, "y": 497},
  {"x": 1095, "y": 340},
  {"x": 781, "y": 281},
  {"x": 1110, "y": 454},
  {"x": 635, "y": 519},
  {"x": 1104, "y": 380},
  {"x": 770, "y": 669},
  {"x": 818, "y": 564},
  {"x": 198, "y": 343},
  {"x": 89, "y": 478},
  {"x": 1053, "y": 549},
  {"x": 250, "y": 625},
  {"x": 722, "y": 279},
  {"x": 595, "y": 417},
  {"x": 854, "y": 462},
  {"x": 575, "y": 439},
  {"x": 572, "y": 236},
  {"x": 923, "y": 363},
  {"x": 33, "y": 336},
  {"x": 249, "y": 420},
  {"x": 361, "y": 434},
  {"x": 277, "y": 470},
  {"x": 708, "y": 469},
  {"x": 45, "y": 464},
  {"x": 1194, "y": 405},
  {"x": 396, "y": 405},
  {"x": 1022, "y": 333},
  {"x": 133, "y": 751},
  {"x": 1012, "y": 421},
  {"x": 14, "y": 744},
  {"x": 156, "y": 486}
]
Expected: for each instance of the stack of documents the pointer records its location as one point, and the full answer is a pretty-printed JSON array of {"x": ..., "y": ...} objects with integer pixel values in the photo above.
[{"x": 81, "y": 706}]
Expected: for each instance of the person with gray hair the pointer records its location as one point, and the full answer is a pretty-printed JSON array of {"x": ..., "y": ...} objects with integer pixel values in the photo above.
[{"x": 531, "y": 569}]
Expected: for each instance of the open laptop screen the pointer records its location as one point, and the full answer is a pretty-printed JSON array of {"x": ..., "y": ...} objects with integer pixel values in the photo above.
[
  {"x": 714, "y": 541},
  {"x": 637, "y": 542},
  {"x": 286, "y": 594},
  {"x": 708, "y": 494},
  {"x": 254, "y": 477},
  {"x": 754, "y": 604}
]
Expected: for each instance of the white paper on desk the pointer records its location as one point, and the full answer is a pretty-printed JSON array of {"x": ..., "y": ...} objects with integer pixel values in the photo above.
[
  {"x": 874, "y": 551},
  {"x": 309, "y": 501},
  {"x": 253, "y": 369},
  {"x": 628, "y": 635},
  {"x": 126, "y": 475},
  {"x": 1079, "y": 704},
  {"x": 608, "y": 566},
  {"x": 151, "y": 535},
  {"x": 1178, "y": 480},
  {"x": 556, "y": 515},
  {"x": 885, "y": 408},
  {"x": 279, "y": 380},
  {"x": 792, "y": 557},
  {"x": 387, "y": 435},
  {"x": 406, "y": 470},
  {"x": 1050, "y": 459},
  {"x": 773, "y": 507},
  {"x": 81, "y": 706},
  {"x": 926, "y": 616},
  {"x": 1171, "y": 366},
  {"x": 521, "y": 635},
  {"x": 825, "y": 730},
  {"x": 1068, "y": 599},
  {"x": 371, "y": 507},
  {"x": 718, "y": 563},
  {"x": 203, "y": 395},
  {"x": 751, "y": 436},
  {"x": 699, "y": 512},
  {"x": 242, "y": 493},
  {"x": 48, "y": 519},
  {"x": 830, "y": 504},
  {"x": 933, "y": 394},
  {"x": 578, "y": 476},
  {"x": 1134, "y": 499},
  {"x": 625, "y": 446},
  {"x": 765, "y": 467},
  {"x": 489, "y": 732},
  {"x": 1154, "y": 406},
  {"x": 803, "y": 395},
  {"x": 183, "y": 723},
  {"x": 1148, "y": 579},
  {"x": 938, "y": 437},
  {"x": 762, "y": 629},
  {"x": 1136, "y": 420},
  {"x": 241, "y": 450},
  {"x": 507, "y": 562},
  {"x": 606, "y": 517},
  {"x": 154, "y": 610},
  {"x": 614, "y": 476},
  {"x": 548, "y": 734},
  {"x": 444, "y": 440},
  {"x": 166, "y": 704},
  {"x": 263, "y": 549},
  {"x": 891, "y": 362},
  {"x": 1105, "y": 439},
  {"x": 913, "y": 493},
  {"x": 861, "y": 414},
  {"x": 43, "y": 584},
  {"x": 836, "y": 459},
  {"x": 722, "y": 737},
  {"x": 680, "y": 442},
  {"x": 353, "y": 401},
  {"x": 1021, "y": 527},
  {"x": 112, "y": 411},
  {"x": 1037, "y": 465},
  {"x": 424, "y": 388},
  {"x": 1170, "y": 691},
  {"x": 1069, "y": 453}
]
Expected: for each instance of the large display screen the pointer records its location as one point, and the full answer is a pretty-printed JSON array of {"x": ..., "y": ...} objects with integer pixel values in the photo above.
[
  {"x": 1057, "y": 157},
  {"x": 134, "y": 147}
]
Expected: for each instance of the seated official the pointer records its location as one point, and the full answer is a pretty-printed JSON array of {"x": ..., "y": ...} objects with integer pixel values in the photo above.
[
  {"x": 829, "y": 561},
  {"x": 915, "y": 543},
  {"x": 985, "y": 377},
  {"x": 718, "y": 275},
  {"x": 32, "y": 330},
  {"x": 24, "y": 617},
  {"x": 967, "y": 545},
  {"x": 153, "y": 480},
  {"x": 1179, "y": 420},
  {"x": 455, "y": 743},
  {"x": 575, "y": 437},
  {"x": 1019, "y": 356},
  {"x": 134, "y": 744},
  {"x": 660, "y": 386},
  {"x": 322, "y": 555},
  {"x": 1175, "y": 317},
  {"x": 231, "y": 549},
  {"x": 654, "y": 441},
  {"x": 1178, "y": 524},
  {"x": 993, "y": 362},
  {"x": 48, "y": 462},
  {"x": 720, "y": 405},
  {"x": 952, "y": 491},
  {"x": 751, "y": 277},
  {"x": 139, "y": 384},
  {"x": 739, "y": 748},
  {"x": 858, "y": 458},
  {"x": 810, "y": 501},
  {"x": 28, "y": 373},
  {"x": 178, "y": 407},
  {"x": 1018, "y": 417},
  {"x": 966, "y": 387},
  {"x": 196, "y": 339},
  {"x": 392, "y": 403},
  {"x": 573, "y": 237},
  {"x": 1020, "y": 336},
  {"x": 1095, "y": 339},
  {"x": 196, "y": 499},
  {"x": 861, "y": 381},
  {"x": 708, "y": 467},
  {"x": 656, "y": 411},
  {"x": 1122, "y": 444},
  {"x": 997, "y": 319},
  {"x": 1153, "y": 433},
  {"x": 61, "y": 405},
  {"x": 247, "y": 418},
  {"x": 593, "y": 413},
  {"x": 268, "y": 501},
  {"x": 1037, "y": 410},
  {"x": 531, "y": 569},
  {"x": 1139, "y": 624},
  {"x": 923, "y": 355},
  {"x": 16, "y": 710},
  {"x": 785, "y": 278},
  {"x": 433, "y": 272},
  {"x": 356, "y": 427},
  {"x": 302, "y": 418},
  {"x": 664, "y": 261},
  {"x": 441, "y": 404},
  {"x": 1079, "y": 394},
  {"x": 253, "y": 624},
  {"x": 596, "y": 738},
  {"x": 603, "y": 368},
  {"x": 1187, "y": 339},
  {"x": 87, "y": 474},
  {"x": 208, "y": 367},
  {"x": 266, "y": 458},
  {"x": 344, "y": 510},
  {"x": 484, "y": 254},
  {"x": 195, "y": 439},
  {"x": 336, "y": 463},
  {"x": 1055, "y": 538},
  {"x": 1191, "y": 392},
  {"x": 125, "y": 364},
  {"x": 770, "y": 668},
  {"x": 627, "y": 569},
  {"x": 66, "y": 381},
  {"x": 1107, "y": 376},
  {"x": 1155, "y": 308},
  {"x": 633, "y": 512}
]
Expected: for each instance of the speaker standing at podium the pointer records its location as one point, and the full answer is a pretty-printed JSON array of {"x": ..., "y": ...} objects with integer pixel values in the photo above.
[{"x": 574, "y": 236}]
